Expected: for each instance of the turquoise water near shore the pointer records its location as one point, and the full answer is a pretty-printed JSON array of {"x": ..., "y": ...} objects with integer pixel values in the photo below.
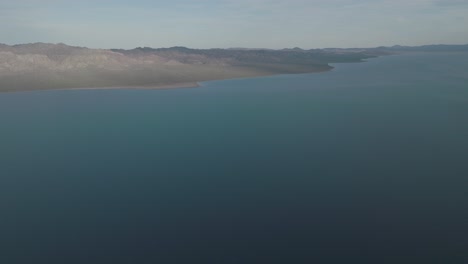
[{"x": 363, "y": 164}]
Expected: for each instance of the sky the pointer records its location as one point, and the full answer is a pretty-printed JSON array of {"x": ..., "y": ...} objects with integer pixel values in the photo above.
[{"x": 234, "y": 23}]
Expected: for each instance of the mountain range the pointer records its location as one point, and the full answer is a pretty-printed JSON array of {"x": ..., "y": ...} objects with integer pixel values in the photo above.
[{"x": 58, "y": 66}]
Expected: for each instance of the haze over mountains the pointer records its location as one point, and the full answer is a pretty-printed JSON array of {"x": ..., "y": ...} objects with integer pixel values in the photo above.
[{"x": 59, "y": 66}]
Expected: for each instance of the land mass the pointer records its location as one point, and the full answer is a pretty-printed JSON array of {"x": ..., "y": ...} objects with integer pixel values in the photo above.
[{"x": 41, "y": 66}]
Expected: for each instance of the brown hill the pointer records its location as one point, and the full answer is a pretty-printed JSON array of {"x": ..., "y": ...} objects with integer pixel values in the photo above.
[{"x": 58, "y": 66}]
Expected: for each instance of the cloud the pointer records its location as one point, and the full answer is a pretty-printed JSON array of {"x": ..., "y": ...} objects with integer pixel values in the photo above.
[
  {"x": 224, "y": 23},
  {"x": 451, "y": 3}
]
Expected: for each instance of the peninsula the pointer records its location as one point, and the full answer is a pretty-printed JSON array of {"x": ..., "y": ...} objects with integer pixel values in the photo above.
[{"x": 41, "y": 66}]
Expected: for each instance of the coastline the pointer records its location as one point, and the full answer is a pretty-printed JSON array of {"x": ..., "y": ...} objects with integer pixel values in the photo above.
[
  {"x": 147, "y": 68},
  {"x": 149, "y": 87},
  {"x": 180, "y": 85},
  {"x": 129, "y": 87}
]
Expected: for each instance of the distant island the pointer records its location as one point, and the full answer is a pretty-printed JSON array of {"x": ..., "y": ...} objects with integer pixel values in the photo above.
[{"x": 41, "y": 66}]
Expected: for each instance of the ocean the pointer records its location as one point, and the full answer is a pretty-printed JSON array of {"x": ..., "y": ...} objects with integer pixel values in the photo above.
[{"x": 367, "y": 163}]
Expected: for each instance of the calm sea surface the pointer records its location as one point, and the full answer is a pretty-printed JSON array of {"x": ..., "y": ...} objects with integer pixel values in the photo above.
[{"x": 364, "y": 164}]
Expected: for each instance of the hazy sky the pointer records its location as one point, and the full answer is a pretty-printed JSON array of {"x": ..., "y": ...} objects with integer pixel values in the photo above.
[{"x": 234, "y": 23}]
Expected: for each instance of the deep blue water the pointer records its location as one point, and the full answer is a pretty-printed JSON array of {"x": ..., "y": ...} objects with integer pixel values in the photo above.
[{"x": 367, "y": 163}]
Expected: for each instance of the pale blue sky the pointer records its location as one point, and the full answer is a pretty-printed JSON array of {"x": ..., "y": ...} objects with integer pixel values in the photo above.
[{"x": 234, "y": 23}]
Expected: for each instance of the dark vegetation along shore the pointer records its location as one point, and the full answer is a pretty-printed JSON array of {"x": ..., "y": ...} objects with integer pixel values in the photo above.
[{"x": 58, "y": 66}]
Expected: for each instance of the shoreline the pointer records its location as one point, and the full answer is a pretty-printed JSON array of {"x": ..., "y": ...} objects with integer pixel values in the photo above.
[
  {"x": 181, "y": 85},
  {"x": 149, "y": 87}
]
